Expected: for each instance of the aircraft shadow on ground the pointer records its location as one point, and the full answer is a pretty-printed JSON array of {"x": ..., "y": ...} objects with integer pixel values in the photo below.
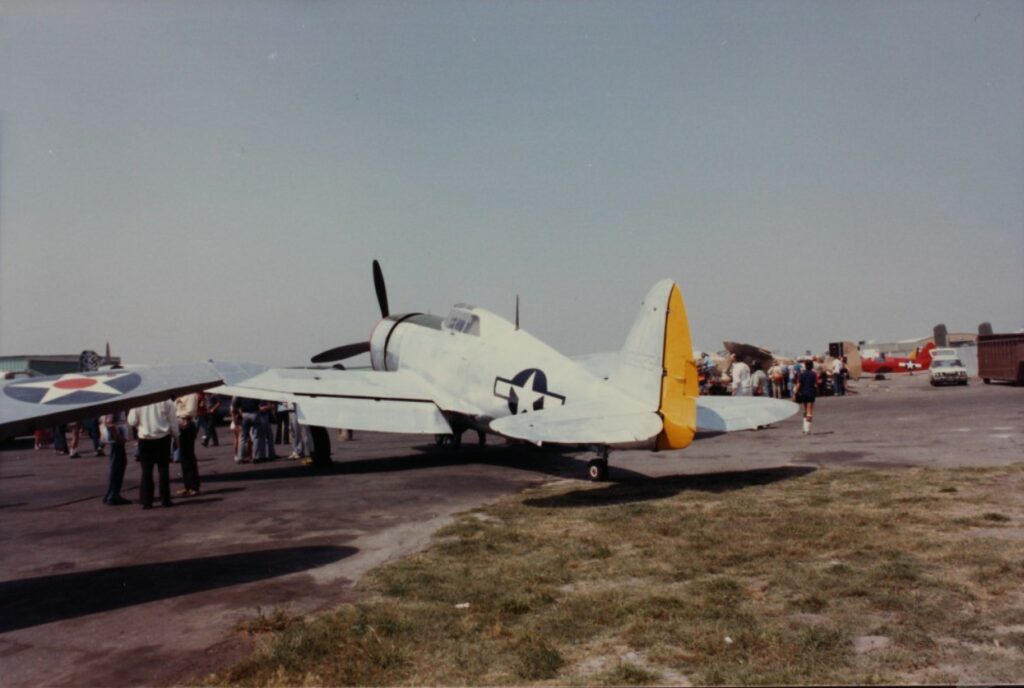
[
  {"x": 548, "y": 461},
  {"x": 35, "y": 601},
  {"x": 648, "y": 489}
]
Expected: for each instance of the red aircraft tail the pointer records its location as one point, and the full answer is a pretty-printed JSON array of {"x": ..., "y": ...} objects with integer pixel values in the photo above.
[{"x": 923, "y": 356}]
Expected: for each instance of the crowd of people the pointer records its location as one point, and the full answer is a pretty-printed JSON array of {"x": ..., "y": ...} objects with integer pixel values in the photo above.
[
  {"x": 803, "y": 381},
  {"x": 167, "y": 432},
  {"x": 777, "y": 380}
]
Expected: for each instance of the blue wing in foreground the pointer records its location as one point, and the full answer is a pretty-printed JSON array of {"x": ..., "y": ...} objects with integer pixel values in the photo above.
[{"x": 43, "y": 402}]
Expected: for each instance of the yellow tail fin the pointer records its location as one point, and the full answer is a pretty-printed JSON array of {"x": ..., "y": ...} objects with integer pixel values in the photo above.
[{"x": 679, "y": 386}]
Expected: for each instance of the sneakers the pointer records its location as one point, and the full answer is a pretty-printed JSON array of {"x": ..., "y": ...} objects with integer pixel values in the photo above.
[
  {"x": 74, "y": 455},
  {"x": 117, "y": 501},
  {"x": 294, "y": 455}
]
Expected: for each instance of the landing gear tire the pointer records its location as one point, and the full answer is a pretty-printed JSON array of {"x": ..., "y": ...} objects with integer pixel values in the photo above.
[
  {"x": 321, "y": 454},
  {"x": 447, "y": 441},
  {"x": 597, "y": 471}
]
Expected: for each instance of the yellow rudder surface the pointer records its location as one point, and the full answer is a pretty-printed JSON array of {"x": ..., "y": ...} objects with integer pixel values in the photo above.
[{"x": 679, "y": 385}]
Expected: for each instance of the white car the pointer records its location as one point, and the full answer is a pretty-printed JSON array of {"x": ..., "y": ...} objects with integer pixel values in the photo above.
[{"x": 948, "y": 371}]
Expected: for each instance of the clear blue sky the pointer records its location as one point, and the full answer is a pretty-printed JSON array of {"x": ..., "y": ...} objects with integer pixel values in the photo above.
[{"x": 212, "y": 179}]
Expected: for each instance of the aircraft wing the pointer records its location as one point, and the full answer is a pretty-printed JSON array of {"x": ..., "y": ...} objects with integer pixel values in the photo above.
[
  {"x": 398, "y": 401},
  {"x": 729, "y": 414},
  {"x": 43, "y": 402},
  {"x": 600, "y": 422}
]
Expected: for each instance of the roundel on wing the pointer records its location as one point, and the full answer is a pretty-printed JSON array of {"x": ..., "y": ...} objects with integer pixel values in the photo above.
[{"x": 74, "y": 388}]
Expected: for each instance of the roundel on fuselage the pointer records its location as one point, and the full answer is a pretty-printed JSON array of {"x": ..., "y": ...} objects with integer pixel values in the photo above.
[{"x": 527, "y": 391}]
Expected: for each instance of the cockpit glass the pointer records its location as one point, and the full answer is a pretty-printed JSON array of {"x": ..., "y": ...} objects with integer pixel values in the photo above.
[{"x": 462, "y": 321}]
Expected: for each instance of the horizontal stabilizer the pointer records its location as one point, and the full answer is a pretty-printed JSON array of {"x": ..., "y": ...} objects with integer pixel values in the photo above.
[
  {"x": 585, "y": 423},
  {"x": 729, "y": 414}
]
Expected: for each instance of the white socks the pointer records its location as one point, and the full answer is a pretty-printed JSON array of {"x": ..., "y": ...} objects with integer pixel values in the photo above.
[{"x": 807, "y": 426}]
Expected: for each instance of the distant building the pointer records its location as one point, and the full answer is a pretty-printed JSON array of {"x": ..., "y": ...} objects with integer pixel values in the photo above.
[{"x": 45, "y": 364}]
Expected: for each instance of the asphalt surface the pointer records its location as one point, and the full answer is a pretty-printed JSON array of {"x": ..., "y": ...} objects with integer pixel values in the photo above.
[{"x": 92, "y": 595}]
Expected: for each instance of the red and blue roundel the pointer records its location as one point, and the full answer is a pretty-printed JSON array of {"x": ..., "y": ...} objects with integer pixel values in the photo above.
[{"x": 74, "y": 388}]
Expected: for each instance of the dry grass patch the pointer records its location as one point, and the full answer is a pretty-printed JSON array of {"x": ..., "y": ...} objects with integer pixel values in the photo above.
[{"x": 781, "y": 576}]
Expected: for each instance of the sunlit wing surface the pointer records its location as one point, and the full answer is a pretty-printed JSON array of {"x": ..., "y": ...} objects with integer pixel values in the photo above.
[
  {"x": 729, "y": 414},
  {"x": 399, "y": 401},
  {"x": 43, "y": 402},
  {"x": 584, "y": 423}
]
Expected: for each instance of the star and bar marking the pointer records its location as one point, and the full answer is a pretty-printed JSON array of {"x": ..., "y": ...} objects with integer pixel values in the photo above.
[
  {"x": 74, "y": 388},
  {"x": 527, "y": 391}
]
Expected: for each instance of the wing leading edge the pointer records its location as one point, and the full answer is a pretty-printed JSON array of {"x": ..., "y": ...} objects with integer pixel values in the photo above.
[
  {"x": 43, "y": 402},
  {"x": 398, "y": 401}
]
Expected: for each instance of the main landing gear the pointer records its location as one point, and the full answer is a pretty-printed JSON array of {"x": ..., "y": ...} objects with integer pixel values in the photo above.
[
  {"x": 452, "y": 441},
  {"x": 597, "y": 471}
]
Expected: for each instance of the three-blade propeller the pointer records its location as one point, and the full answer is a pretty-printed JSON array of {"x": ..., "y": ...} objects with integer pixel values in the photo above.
[{"x": 340, "y": 353}]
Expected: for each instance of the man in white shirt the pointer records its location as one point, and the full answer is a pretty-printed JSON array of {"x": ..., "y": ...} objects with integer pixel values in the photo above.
[
  {"x": 740, "y": 374},
  {"x": 155, "y": 425},
  {"x": 838, "y": 379}
]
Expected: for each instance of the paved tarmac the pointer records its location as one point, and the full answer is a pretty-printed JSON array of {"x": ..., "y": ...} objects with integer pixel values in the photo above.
[{"x": 92, "y": 595}]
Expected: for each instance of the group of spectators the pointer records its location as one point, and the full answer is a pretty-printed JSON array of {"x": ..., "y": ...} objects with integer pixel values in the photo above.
[
  {"x": 167, "y": 431},
  {"x": 803, "y": 382},
  {"x": 779, "y": 380},
  {"x": 252, "y": 426}
]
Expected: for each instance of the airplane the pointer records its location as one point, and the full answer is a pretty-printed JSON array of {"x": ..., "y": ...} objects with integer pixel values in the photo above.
[
  {"x": 474, "y": 369},
  {"x": 879, "y": 364}
]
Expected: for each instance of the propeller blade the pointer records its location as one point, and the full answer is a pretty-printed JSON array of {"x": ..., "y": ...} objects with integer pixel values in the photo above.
[
  {"x": 382, "y": 292},
  {"x": 339, "y": 353}
]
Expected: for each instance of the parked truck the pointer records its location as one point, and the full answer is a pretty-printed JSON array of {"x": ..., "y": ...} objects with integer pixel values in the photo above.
[{"x": 1001, "y": 357}]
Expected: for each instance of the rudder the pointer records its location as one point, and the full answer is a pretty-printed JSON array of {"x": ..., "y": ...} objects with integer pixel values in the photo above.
[
  {"x": 656, "y": 364},
  {"x": 679, "y": 386}
]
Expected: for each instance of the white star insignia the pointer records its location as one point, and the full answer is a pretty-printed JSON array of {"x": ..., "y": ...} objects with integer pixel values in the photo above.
[
  {"x": 76, "y": 382},
  {"x": 526, "y": 395}
]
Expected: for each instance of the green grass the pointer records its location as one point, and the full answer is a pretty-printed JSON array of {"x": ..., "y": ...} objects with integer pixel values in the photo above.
[{"x": 765, "y": 577}]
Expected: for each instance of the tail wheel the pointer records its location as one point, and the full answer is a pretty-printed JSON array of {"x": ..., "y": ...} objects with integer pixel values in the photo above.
[{"x": 597, "y": 471}]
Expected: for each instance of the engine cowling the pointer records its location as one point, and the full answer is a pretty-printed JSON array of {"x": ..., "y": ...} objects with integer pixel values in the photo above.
[{"x": 384, "y": 356}]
